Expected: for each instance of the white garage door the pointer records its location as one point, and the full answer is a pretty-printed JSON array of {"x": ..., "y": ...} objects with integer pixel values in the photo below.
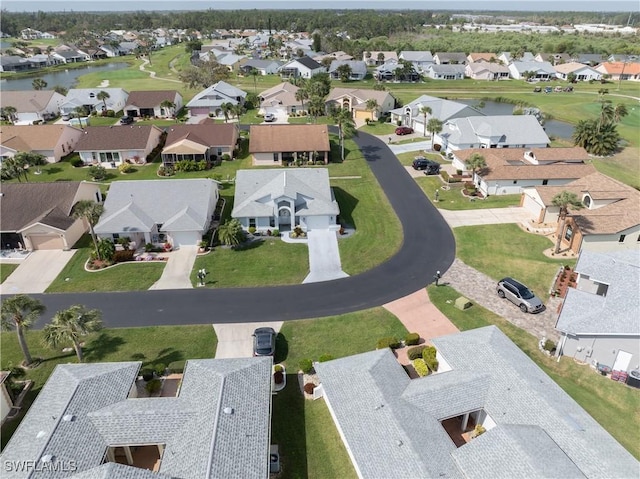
[
  {"x": 46, "y": 242},
  {"x": 277, "y": 111},
  {"x": 530, "y": 205},
  {"x": 185, "y": 238}
]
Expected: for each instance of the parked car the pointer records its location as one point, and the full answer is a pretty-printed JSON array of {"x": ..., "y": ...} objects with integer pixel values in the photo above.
[
  {"x": 269, "y": 117},
  {"x": 126, "y": 120},
  {"x": 548, "y": 89},
  {"x": 430, "y": 167},
  {"x": 264, "y": 342},
  {"x": 66, "y": 117},
  {"x": 558, "y": 89},
  {"x": 568, "y": 89},
  {"x": 537, "y": 89},
  {"x": 404, "y": 130},
  {"x": 519, "y": 295}
]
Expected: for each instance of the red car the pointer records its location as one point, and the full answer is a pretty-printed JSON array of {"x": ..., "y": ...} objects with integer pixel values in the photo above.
[{"x": 404, "y": 130}]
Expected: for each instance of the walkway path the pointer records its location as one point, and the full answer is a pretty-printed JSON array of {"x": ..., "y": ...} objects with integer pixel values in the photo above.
[
  {"x": 486, "y": 216},
  {"x": 36, "y": 272},
  {"x": 324, "y": 257},
  {"x": 177, "y": 272},
  {"x": 152, "y": 74}
]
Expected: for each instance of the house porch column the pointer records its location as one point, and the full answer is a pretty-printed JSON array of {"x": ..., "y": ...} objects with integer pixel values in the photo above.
[
  {"x": 465, "y": 421},
  {"x": 127, "y": 452}
]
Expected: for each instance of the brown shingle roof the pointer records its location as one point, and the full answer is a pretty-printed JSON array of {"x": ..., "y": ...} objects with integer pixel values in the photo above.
[
  {"x": 26, "y": 101},
  {"x": 150, "y": 99},
  {"x": 277, "y": 138},
  {"x": 31, "y": 137},
  {"x": 110, "y": 138},
  {"x": 207, "y": 133}
]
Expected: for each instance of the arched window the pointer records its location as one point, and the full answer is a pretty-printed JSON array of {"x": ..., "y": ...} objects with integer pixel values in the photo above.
[{"x": 587, "y": 201}]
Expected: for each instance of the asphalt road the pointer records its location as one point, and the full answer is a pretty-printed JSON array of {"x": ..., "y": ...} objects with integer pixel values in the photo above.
[{"x": 428, "y": 246}]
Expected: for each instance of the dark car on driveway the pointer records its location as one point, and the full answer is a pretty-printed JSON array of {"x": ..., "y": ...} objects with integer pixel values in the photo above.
[
  {"x": 519, "y": 294},
  {"x": 264, "y": 342},
  {"x": 430, "y": 167},
  {"x": 126, "y": 120},
  {"x": 404, "y": 130}
]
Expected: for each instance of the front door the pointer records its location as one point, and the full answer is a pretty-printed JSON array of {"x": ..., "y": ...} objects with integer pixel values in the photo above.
[{"x": 622, "y": 361}]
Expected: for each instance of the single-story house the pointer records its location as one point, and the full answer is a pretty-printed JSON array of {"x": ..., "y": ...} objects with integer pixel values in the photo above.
[
  {"x": 394, "y": 70},
  {"x": 69, "y": 55},
  {"x": 284, "y": 198},
  {"x": 210, "y": 100},
  {"x": 500, "y": 131},
  {"x": 582, "y": 72},
  {"x": 541, "y": 70},
  {"x": 591, "y": 59},
  {"x": 264, "y": 67},
  {"x": 477, "y": 57},
  {"x": 14, "y": 63},
  {"x": 171, "y": 211},
  {"x": 486, "y": 71},
  {"x": 87, "y": 98},
  {"x": 280, "y": 100},
  {"x": 446, "y": 71},
  {"x": 598, "y": 322},
  {"x": 620, "y": 70},
  {"x": 277, "y": 145},
  {"x": 553, "y": 58},
  {"x": 449, "y": 58},
  {"x": 206, "y": 141},
  {"x": 52, "y": 141},
  {"x": 377, "y": 58},
  {"x": 419, "y": 59},
  {"x": 32, "y": 105},
  {"x": 394, "y": 426},
  {"x": 110, "y": 146},
  {"x": 358, "y": 69},
  {"x": 609, "y": 219},
  {"x": 443, "y": 110},
  {"x": 509, "y": 170},
  {"x": 90, "y": 421},
  {"x": 355, "y": 100},
  {"x": 303, "y": 67},
  {"x": 149, "y": 103},
  {"x": 40, "y": 215},
  {"x": 339, "y": 55},
  {"x": 232, "y": 61}
]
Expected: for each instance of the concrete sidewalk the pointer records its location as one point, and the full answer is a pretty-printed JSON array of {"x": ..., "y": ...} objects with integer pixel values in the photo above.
[
  {"x": 177, "y": 271},
  {"x": 36, "y": 272},
  {"x": 488, "y": 216},
  {"x": 235, "y": 340}
]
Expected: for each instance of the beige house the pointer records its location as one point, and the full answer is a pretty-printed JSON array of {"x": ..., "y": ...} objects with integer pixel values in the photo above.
[
  {"x": 52, "y": 141},
  {"x": 32, "y": 105},
  {"x": 278, "y": 145},
  {"x": 207, "y": 141},
  {"x": 482, "y": 57},
  {"x": 355, "y": 100},
  {"x": 377, "y": 58},
  {"x": 280, "y": 100}
]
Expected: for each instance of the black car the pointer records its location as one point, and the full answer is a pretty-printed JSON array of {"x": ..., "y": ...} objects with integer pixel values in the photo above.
[
  {"x": 264, "y": 342},
  {"x": 126, "y": 120},
  {"x": 430, "y": 167}
]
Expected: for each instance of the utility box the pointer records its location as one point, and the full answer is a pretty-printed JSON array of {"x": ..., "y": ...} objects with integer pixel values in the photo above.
[
  {"x": 274, "y": 459},
  {"x": 463, "y": 303}
]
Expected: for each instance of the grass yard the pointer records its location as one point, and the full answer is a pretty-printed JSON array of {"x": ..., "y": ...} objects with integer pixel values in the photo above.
[
  {"x": 167, "y": 345},
  {"x": 506, "y": 250},
  {"x": 613, "y": 405},
  {"x": 376, "y": 128},
  {"x": 5, "y": 270},
  {"x": 453, "y": 199}
]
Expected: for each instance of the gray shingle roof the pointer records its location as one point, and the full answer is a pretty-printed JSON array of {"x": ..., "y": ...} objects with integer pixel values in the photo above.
[
  {"x": 617, "y": 312},
  {"x": 216, "y": 95},
  {"x": 201, "y": 440},
  {"x": 503, "y": 129},
  {"x": 441, "y": 109},
  {"x": 391, "y": 424}
]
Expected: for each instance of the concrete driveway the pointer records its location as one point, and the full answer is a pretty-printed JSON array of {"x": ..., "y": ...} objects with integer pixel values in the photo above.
[
  {"x": 36, "y": 272},
  {"x": 235, "y": 340},
  {"x": 177, "y": 272},
  {"x": 489, "y": 216},
  {"x": 324, "y": 257}
]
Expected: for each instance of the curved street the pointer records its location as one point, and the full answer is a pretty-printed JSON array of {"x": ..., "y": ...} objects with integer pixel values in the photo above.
[{"x": 428, "y": 246}]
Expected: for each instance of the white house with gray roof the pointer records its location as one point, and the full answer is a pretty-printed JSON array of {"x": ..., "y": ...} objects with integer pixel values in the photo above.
[
  {"x": 178, "y": 212},
  {"x": 394, "y": 426},
  {"x": 445, "y": 72},
  {"x": 88, "y": 98},
  {"x": 210, "y": 100},
  {"x": 284, "y": 198},
  {"x": 499, "y": 131},
  {"x": 541, "y": 70},
  {"x": 598, "y": 322},
  {"x": 358, "y": 69},
  {"x": 419, "y": 59},
  {"x": 88, "y": 422}
]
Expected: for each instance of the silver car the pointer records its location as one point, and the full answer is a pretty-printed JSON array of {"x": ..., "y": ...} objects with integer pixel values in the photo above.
[{"x": 519, "y": 295}]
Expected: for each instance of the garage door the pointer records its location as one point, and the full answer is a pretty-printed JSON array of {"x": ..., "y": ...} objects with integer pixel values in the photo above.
[
  {"x": 185, "y": 238},
  {"x": 46, "y": 242},
  {"x": 362, "y": 114},
  {"x": 531, "y": 206}
]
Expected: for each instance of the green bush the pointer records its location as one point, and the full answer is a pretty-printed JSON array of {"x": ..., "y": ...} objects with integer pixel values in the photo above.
[
  {"x": 411, "y": 339},
  {"x": 147, "y": 374},
  {"x": 325, "y": 357},
  {"x": 176, "y": 367},
  {"x": 429, "y": 356},
  {"x": 97, "y": 172},
  {"x": 77, "y": 163},
  {"x": 160, "y": 369},
  {"x": 226, "y": 157},
  {"x": 252, "y": 229},
  {"x": 549, "y": 345},
  {"x": 275, "y": 232},
  {"x": 153, "y": 386},
  {"x": 125, "y": 168},
  {"x": 421, "y": 367},
  {"x": 278, "y": 368},
  {"x": 415, "y": 353},
  {"x": 389, "y": 342},
  {"x": 306, "y": 365}
]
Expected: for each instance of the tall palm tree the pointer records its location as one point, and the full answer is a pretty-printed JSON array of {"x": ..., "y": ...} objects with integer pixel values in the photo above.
[
  {"x": 20, "y": 312},
  {"x": 346, "y": 128},
  {"x": 564, "y": 200},
  {"x": 254, "y": 72},
  {"x": 425, "y": 110},
  {"x": 607, "y": 114},
  {"x": 69, "y": 325},
  {"x": 90, "y": 212},
  {"x": 226, "y": 110},
  {"x": 301, "y": 95},
  {"x": 13, "y": 167},
  {"x": 372, "y": 106},
  {"x": 102, "y": 96},
  {"x": 169, "y": 106},
  {"x": 316, "y": 106},
  {"x": 9, "y": 113},
  {"x": 39, "y": 84},
  {"x": 476, "y": 162},
  {"x": 619, "y": 112},
  {"x": 434, "y": 126},
  {"x": 80, "y": 111}
]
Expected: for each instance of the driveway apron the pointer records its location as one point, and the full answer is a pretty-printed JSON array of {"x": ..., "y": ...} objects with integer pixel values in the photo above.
[
  {"x": 488, "y": 216},
  {"x": 36, "y": 272},
  {"x": 235, "y": 340},
  {"x": 324, "y": 257},
  {"x": 177, "y": 271}
]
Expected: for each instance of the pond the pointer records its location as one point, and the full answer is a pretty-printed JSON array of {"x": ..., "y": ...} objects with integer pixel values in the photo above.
[
  {"x": 65, "y": 78},
  {"x": 554, "y": 128}
]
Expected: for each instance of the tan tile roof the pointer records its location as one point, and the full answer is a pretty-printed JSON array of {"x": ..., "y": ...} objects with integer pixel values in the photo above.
[
  {"x": 614, "y": 68},
  {"x": 150, "y": 99},
  {"x": 207, "y": 134},
  {"x": 362, "y": 95},
  {"x": 110, "y": 138},
  {"x": 570, "y": 67},
  {"x": 482, "y": 56},
  {"x": 26, "y": 101},
  {"x": 31, "y": 137},
  {"x": 277, "y": 138}
]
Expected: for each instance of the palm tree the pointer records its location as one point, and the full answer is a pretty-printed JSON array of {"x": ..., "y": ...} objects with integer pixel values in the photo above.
[
  {"x": 9, "y": 113},
  {"x": 90, "y": 212},
  {"x": 80, "y": 111},
  {"x": 230, "y": 232},
  {"x": 476, "y": 162},
  {"x": 169, "y": 106},
  {"x": 619, "y": 112},
  {"x": 564, "y": 200},
  {"x": 237, "y": 110},
  {"x": 425, "y": 110},
  {"x": 70, "y": 325},
  {"x": 226, "y": 109},
  {"x": 39, "y": 84},
  {"x": 301, "y": 95},
  {"x": 372, "y": 106},
  {"x": 346, "y": 127},
  {"x": 316, "y": 106},
  {"x": 607, "y": 114},
  {"x": 13, "y": 167},
  {"x": 20, "y": 312},
  {"x": 434, "y": 126},
  {"x": 602, "y": 92},
  {"x": 102, "y": 96},
  {"x": 254, "y": 72}
]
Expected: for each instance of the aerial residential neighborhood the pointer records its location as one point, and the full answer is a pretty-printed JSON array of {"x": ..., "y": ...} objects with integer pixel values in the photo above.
[{"x": 323, "y": 243}]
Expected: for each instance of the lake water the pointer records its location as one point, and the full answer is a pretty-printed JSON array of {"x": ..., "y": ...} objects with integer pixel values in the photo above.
[
  {"x": 553, "y": 128},
  {"x": 65, "y": 78}
]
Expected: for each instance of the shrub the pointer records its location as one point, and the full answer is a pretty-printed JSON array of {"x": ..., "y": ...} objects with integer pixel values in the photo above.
[
  {"x": 325, "y": 357},
  {"x": 421, "y": 367},
  {"x": 148, "y": 248},
  {"x": 176, "y": 367},
  {"x": 77, "y": 163},
  {"x": 429, "y": 356},
  {"x": 278, "y": 377},
  {"x": 97, "y": 172},
  {"x": 226, "y": 157},
  {"x": 111, "y": 113},
  {"x": 549, "y": 345},
  {"x": 277, "y": 368},
  {"x": 153, "y": 386},
  {"x": 415, "y": 353},
  {"x": 309, "y": 387},
  {"x": 306, "y": 365},
  {"x": 147, "y": 374},
  {"x": 412, "y": 339},
  {"x": 275, "y": 232},
  {"x": 252, "y": 229},
  {"x": 160, "y": 369},
  {"x": 123, "y": 256},
  {"x": 389, "y": 342},
  {"x": 125, "y": 168}
]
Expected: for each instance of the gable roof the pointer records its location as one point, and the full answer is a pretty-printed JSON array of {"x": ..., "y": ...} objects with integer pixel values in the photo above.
[
  {"x": 278, "y": 138},
  {"x": 282, "y": 94},
  {"x": 584, "y": 312},
  {"x": 618, "y": 68},
  {"x": 391, "y": 424},
  {"x": 573, "y": 67},
  {"x": 32, "y": 137},
  {"x": 360, "y": 95},
  {"x": 457, "y": 69},
  {"x": 29, "y": 100},
  {"x": 533, "y": 66},
  {"x": 416, "y": 56},
  {"x": 207, "y": 134},
  {"x": 150, "y": 98},
  {"x": 200, "y": 439},
  {"x": 458, "y": 57},
  {"x": 307, "y": 62},
  {"x": 511, "y": 129},
  {"x": 216, "y": 95},
  {"x": 87, "y": 96},
  {"x": 482, "y": 57},
  {"x": 358, "y": 67},
  {"x": 119, "y": 137},
  {"x": 478, "y": 67}
]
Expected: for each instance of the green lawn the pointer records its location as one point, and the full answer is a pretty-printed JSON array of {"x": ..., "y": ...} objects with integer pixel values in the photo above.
[
  {"x": 453, "y": 199},
  {"x": 613, "y": 405},
  {"x": 506, "y": 250},
  {"x": 376, "y": 128},
  {"x": 5, "y": 270},
  {"x": 167, "y": 345}
]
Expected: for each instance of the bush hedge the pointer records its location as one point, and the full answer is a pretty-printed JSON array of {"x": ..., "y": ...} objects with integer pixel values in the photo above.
[
  {"x": 421, "y": 367},
  {"x": 412, "y": 339},
  {"x": 389, "y": 342},
  {"x": 549, "y": 345},
  {"x": 449, "y": 179},
  {"x": 325, "y": 357},
  {"x": 123, "y": 256},
  {"x": 429, "y": 356},
  {"x": 77, "y": 163},
  {"x": 306, "y": 365},
  {"x": 415, "y": 353},
  {"x": 153, "y": 386},
  {"x": 278, "y": 368}
]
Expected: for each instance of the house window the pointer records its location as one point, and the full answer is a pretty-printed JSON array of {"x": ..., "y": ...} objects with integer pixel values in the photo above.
[
  {"x": 115, "y": 237},
  {"x": 545, "y": 182},
  {"x": 276, "y": 157},
  {"x": 568, "y": 234},
  {"x": 252, "y": 222},
  {"x": 621, "y": 239},
  {"x": 515, "y": 182},
  {"x": 109, "y": 156},
  {"x": 587, "y": 201}
]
